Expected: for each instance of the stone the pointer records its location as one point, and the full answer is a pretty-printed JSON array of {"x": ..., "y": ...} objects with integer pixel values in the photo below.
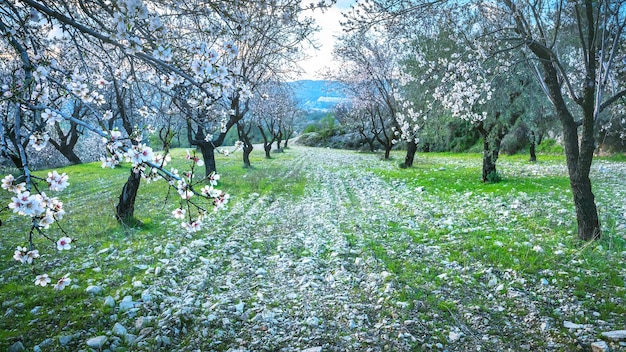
[
  {"x": 109, "y": 302},
  {"x": 455, "y": 336},
  {"x": 312, "y": 349},
  {"x": 17, "y": 347},
  {"x": 130, "y": 338},
  {"x": 600, "y": 346},
  {"x": 239, "y": 307},
  {"x": 570, "y": 325},
  {"x": 126, "y": 305},
  {"x": 64, "y": 340},
  {"x": 94, "y": 290},
  {"x": 46, "y": 343},
  {"x": 615, "y": 335},
  {"x": 119, "y": 329},
  {"x": 312, "y": 321},
  {"x": 97, "y": 342}
]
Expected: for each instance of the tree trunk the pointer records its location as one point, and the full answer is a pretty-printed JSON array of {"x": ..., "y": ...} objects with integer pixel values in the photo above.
[
  {"x": 68, "y": 153},
  {"x": 246, "y": 150},
  {"x": 208, "y": 156},
  {"x": 388, "y": 151},
  {"x": 268, "y": 148},
  {"x": 533, "y": 144},
  {"x": 578, "y": 157},
  {"x": 411, "y": 149},
  {"x": 125, "y": 208},
  {"x": 489, "y": 161}
]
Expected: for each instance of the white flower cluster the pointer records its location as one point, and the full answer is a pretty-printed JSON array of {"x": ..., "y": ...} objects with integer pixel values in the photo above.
[
  {"x": 464, "y": 89},
  {"x": 186, "y": 192},
  {"x": 79, "y": 88},
  {"x": 43, "y": 211}
]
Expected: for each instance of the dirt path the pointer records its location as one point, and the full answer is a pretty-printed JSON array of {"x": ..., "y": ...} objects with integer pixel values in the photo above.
[{"x": 330, "y": 269}]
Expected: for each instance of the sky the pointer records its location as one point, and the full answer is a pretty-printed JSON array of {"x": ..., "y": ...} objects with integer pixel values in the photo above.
[{"x": 328, "y": 21}]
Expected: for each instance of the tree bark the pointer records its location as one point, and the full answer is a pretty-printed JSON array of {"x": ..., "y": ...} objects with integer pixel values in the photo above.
[
  {"x": 208, "y": 156},
  {"x": 490, "y": 157},
  {"x": 268, "y": 148},
  {"x": 411, "y": 149},
  {"x": 388, "y": 151},
  {"x": 578, "y": 157},
  {"x": 125, "y": 208},
  {"x": 247, "y": 146},
  {"x": 246, "y": 150},
  {"x": 533, "y": 144}
]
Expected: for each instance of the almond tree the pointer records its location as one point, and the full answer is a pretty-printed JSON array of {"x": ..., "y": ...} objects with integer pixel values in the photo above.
[
  {"x": 35, "y": 66},
  {"x": 372, "y": 72},
  {"x": 268, "y": 37},
  {"x": 576, "y": 48}
]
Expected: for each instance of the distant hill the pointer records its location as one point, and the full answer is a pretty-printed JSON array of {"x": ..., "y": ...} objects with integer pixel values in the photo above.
[{"x": 318, "y": 96}]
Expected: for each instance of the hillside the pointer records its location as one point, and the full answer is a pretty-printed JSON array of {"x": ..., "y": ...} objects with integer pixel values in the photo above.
[{"x": 318, "y": 95}]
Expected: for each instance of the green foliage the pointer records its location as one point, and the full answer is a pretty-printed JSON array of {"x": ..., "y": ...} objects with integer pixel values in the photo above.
[
  {"x": 312, "y": 127},
  {"x": 323, "y": 129},
  {"x": 550, "y": 146}
]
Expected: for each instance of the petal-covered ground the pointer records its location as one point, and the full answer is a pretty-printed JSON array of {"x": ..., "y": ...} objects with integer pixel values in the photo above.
[
  {"x": 369, "y": 257},
  {"x": 363, "y": 261}
]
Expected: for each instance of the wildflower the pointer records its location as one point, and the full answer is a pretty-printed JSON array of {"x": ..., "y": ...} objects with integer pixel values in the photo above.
[
  {"x": 230, "y": 48},
  {"x": 213, "y": 178},
  {"x": 193, "y": 226},
  {"x": 47, "y": 220},
  {"x": 25, "y": 204},
  {"x": 39, "y": 140},
  {"x": 107, "y": 115},
  {"x": 8, "y": 183},
  {"x": 64, "y": 243},
  {"x": 102, "y": 83},
  {"x": 221, "y": 201},
  {"x": 63, "y": 282},
  {"x": 42, "y": 280},
  {"x": 50, "y": 117}
]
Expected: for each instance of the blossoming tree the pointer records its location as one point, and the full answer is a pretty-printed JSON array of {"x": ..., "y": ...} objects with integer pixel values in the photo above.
[
  {"x": 575, "y": 48},
  {"x": 35, "y": 66}
]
